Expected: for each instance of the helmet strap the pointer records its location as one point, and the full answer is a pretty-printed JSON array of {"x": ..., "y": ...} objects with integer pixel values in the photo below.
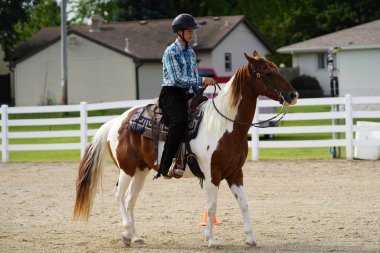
[{"x": 183, "y": 39}]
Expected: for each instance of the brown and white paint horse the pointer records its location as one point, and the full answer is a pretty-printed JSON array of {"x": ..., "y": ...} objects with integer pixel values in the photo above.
[{"x": 221, "y": 148}]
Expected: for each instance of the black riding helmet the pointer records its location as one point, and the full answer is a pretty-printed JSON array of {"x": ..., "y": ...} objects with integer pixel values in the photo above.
[{"x": 182, "y": 22}]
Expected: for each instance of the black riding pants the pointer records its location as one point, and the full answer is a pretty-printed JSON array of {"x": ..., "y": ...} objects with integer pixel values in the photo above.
[{"x": 173, "y": 102}]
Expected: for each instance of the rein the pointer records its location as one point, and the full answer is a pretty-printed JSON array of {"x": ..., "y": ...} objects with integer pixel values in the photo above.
[{"x": 281, "y": 114}]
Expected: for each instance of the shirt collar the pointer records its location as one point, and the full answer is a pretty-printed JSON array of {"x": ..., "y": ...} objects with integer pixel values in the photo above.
[{"x": 178, "y": 43}]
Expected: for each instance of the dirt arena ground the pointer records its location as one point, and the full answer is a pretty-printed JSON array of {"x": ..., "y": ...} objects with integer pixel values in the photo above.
[{"x": 295, "y": 206}]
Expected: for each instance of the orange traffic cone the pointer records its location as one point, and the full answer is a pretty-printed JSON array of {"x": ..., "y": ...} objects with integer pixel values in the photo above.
[{"x": 204, "y": 223}]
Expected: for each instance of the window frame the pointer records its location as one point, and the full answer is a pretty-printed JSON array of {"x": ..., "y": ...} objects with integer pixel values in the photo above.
[
  {"x": 228, "y": 62},
  {"x": 321, "y": 61}
]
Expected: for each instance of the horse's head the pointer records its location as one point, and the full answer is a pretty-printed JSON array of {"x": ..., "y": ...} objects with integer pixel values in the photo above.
[{"x": 269, "y": 81}]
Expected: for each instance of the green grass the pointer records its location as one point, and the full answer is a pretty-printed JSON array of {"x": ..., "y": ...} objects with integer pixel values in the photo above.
[
  {"x": 264, "y": 153},
  {"x": 54, "y": 155},
  {"x": 44, "y": 156},
  {"x": 295, "y": 153}
]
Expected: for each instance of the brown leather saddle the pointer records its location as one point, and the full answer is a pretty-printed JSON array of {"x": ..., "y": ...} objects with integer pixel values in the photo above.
[{"x": 148, "y": 121}]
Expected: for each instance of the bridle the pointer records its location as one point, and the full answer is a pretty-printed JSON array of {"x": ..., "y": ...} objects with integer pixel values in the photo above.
[{"x": 281, "y": 114}]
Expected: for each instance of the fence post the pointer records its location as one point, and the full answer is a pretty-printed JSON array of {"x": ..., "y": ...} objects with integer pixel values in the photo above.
[
  {"x": 348, "y": 119},
  {"x": 255, "y": 136},
  {"x": 4, "y": 134},
  {"x": 83, "y": 128}
]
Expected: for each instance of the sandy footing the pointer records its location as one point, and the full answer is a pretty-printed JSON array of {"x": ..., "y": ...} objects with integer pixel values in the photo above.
[{"x": 295, "y": 206}]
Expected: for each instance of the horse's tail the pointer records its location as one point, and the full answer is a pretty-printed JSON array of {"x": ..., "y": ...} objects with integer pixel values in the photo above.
[{"x": 90, "y": 172}]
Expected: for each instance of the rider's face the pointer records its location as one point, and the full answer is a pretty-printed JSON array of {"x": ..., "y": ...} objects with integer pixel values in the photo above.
[{"x": 188, "y": 34}]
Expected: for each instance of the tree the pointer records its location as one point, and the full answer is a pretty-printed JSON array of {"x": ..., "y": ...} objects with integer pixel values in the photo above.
[
  {"x": 84, "y": 9},
  {"x": 318, "y": 17},
  {"x": 46, "y": 13},
  {"x": 282, "y": 22},
  {"x": 12, "y": 12},
  {"x": 143, "y": 9}
]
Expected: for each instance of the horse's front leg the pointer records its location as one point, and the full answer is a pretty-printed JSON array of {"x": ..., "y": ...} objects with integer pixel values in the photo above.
[
  {"x": 212, "y": 195},
  {"x": 238, "y": 190}
]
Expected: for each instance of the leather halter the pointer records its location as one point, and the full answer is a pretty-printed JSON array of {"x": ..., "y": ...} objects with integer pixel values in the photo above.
[{"x": 257, "y": 75}]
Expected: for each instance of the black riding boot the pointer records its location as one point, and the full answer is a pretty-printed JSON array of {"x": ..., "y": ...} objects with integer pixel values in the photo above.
[{"x": 173, "y": 102}]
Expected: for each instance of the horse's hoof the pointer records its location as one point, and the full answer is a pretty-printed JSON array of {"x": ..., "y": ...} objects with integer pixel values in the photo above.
[
  {"x": 126, "y": 241},
  {"x": 251, "y": 244},
  {"x": 138, "y": 240},
  {"x": 214, "y": 244}
]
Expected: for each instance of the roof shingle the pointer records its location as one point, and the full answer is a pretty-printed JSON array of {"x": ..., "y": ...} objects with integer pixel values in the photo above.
[
  {"x": 147, "y": 39},
  {"x": 365, "y": 35}
]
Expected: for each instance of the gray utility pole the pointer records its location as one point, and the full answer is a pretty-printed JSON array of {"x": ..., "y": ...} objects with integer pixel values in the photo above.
[
  {"x": 63, "y": 53},
  {"x": 334, "y": 84}
]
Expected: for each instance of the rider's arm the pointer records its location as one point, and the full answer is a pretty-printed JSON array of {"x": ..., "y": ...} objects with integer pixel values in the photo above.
[{"x": 177, "y": 72}]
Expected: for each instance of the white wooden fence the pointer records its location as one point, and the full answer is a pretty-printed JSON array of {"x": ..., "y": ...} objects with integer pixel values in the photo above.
[
  {"x": 84, "y": 119},
  {"x": 346, "y": 112}
]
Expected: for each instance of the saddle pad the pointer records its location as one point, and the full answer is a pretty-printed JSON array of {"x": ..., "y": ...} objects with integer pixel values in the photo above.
[{"x": 141, "y": 122}]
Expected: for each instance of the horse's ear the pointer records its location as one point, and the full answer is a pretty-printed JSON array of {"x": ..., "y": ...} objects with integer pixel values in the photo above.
[
  {"x": 255, "y": 54},
  {"x": 250, "y": 59}
]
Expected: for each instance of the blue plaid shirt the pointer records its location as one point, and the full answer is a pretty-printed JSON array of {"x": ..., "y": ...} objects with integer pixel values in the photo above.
[{"x": 180, "y": 67}]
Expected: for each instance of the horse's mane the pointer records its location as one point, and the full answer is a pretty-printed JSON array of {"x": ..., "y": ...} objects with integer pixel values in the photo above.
[
  {"x": 272, "y": 65},
  {"x": 241, "y": 76},
  {"x": 227, "y": 103},
  {"x": 235, "y": 90}
]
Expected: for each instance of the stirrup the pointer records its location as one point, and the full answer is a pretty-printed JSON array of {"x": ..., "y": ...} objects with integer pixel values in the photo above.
[
  {"x": 178, "y": 172},
  {"x": 174, "y": 171}
]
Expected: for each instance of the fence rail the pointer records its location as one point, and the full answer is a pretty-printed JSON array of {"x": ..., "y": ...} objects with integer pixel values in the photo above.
[
  {"x": 83, "y": 120},
  {"x": 345, "y": 113}
]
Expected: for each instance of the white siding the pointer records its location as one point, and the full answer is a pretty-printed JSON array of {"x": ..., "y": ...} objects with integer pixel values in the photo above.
[
  {"x": 91, "y": 78},
  {"x": 308, "y": 64},
  {"x": 205, "y": 59},
  {"x": 150, "y": 80},
  {"x": 30, "y": 75},
  {"x": 240, "y": 40},
  {"x": 359, "y": 72}
]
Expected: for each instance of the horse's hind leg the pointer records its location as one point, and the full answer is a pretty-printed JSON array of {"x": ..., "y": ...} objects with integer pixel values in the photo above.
[
  {"x": 122, "y": 187},
  {"x": 133, "y": 192}
]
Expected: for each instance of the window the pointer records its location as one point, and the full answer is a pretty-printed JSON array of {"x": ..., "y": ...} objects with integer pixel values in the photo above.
[
  {"x": 321, "y": 61},
  {"x": 227, "y": 62}
]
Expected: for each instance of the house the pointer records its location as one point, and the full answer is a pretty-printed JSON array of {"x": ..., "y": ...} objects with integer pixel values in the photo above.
[
  {"x": 357, "y": 59},
  {"x": 122, "y": 61}
]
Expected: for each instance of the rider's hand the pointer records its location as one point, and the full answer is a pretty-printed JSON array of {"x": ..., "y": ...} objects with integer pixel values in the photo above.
[{"x": 207, "y": 81}]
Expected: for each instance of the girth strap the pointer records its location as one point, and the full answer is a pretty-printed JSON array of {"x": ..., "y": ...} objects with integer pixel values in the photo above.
[{"x": 156, "y": 120}]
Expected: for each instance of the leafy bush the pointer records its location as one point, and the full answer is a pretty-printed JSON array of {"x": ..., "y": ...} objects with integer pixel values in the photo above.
[
  {"x": 305, "y": 82},
  {"x": 307, "y": 86}
]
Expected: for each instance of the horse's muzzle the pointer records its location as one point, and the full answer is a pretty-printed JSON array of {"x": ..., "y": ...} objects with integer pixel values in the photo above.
[{"x": 289, "y": 98}]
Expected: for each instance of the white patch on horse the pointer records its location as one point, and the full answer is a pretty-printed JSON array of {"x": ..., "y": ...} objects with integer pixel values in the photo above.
[
  {"x": 242, "y": 200},
  {"x": 215, "y": 123},
  {"x": 113, "y": 133}
]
